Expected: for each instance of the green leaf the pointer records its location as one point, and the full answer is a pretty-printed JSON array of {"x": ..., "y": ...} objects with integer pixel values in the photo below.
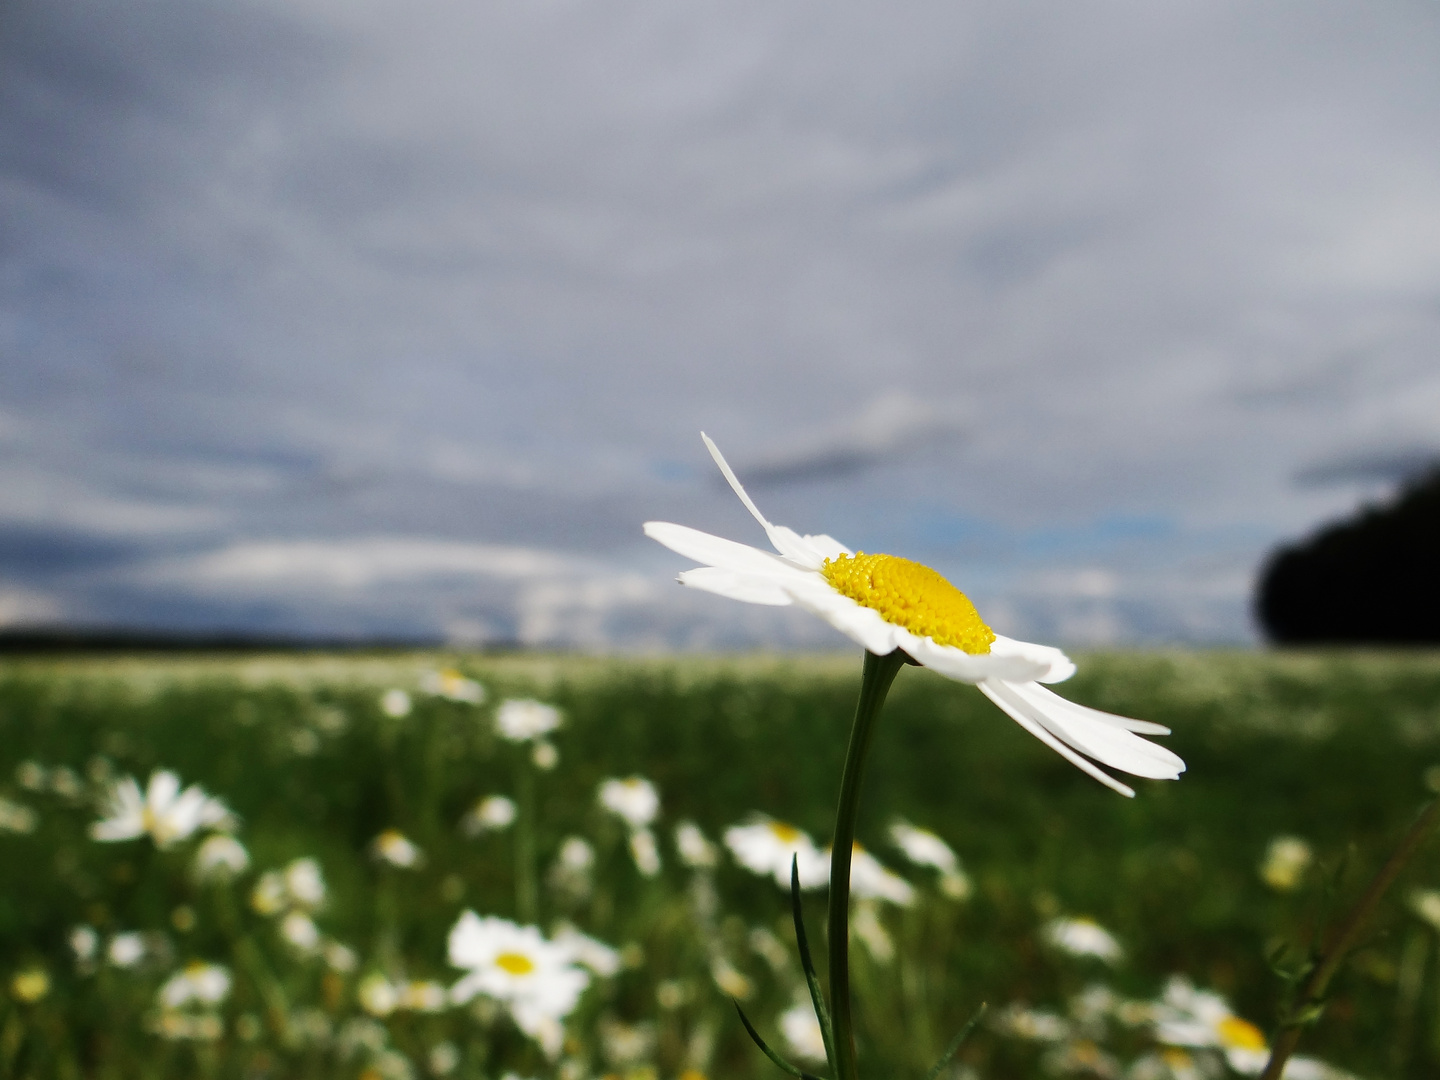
[
  {"x": 817, "y": 996},
  {"x": 955, "y": 1043},
  {"x": 776, "y": 1058}
]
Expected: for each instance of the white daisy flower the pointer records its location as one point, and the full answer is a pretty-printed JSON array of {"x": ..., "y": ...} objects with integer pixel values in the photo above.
[
  {"x": 872, "y": 880},
  {"x": 523, "y": 719},
  {"x": 395, "y": 703},
  {"x": 866, "y": 926},
  {"x": 1185, "y": 1016},
  {"x": 126, "y": 949},
  {"x": 588, "y": 951},
  {"x": 767, "y": 846},
  {"x": 200, "y": 983},
  {"x": 304, "y": 884},
  {"x": 1083, "y": 937},
  {"x": 802, "y": 1032},
  {"x": 394, "y": 847},
  {"x": 423, "y": 996},
  {"x": 923, "y": 848},
  {"x": 1286, "y": 860},
  {"x": 696, "y": 851},
  {"x": 300, "y": 931},
  {"x": 452, "y": 685},
  {"x": 164, "y": 811},
  {"x": 633, "y": 799},
  {"x": 537, "y": 980},
  {"x": 545, "y": 756},
  {"x": 219, "y": 858},
  {"x": 645, "y": 851},
  {"x": 84, "y": 943},
  {"x": 884, "y": 603},
  {"x": 377, "y": 995},
  {"x": 1426, "y": 904},
  {"x": 490, "y": 814},
  {"x": 17, "y": 817}
]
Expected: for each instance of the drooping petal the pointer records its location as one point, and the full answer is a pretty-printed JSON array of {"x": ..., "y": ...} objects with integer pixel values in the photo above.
[
  {"x": 1106, "y": 743},
  {"x": 749, "y": 588},
  {"x": 1054, "y": 702},
  {"x": 1000, "y": 693},
  {"x": 717, "y": 551},
  {"x": 798, "y": 549}
]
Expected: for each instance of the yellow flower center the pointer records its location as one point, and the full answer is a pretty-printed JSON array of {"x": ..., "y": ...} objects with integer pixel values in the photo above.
[
  {"x": 1237, "y": 1034},
  {"x": 786, "y": 834},
  {"x": 908, "y": 594},
  {"x": 515, "y": 963}
]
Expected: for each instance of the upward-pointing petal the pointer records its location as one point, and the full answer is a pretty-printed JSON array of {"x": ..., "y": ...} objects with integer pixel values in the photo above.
[{"x": 787, "y": 541}]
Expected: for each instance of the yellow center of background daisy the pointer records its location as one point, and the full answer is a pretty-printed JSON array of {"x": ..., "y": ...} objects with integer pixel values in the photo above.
[
  {"x": 1237, "y": 1034},
  {"x": 908, "y": 594},
  {"x": 515, "y": 963}
]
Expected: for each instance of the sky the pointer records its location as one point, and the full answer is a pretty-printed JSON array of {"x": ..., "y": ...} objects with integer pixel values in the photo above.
[{"x": 355, "y": 319}]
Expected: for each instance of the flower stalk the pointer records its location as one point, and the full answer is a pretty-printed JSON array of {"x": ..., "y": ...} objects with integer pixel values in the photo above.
[
  {"x": 879, "y": 673},
  {"x": 1310, "y": 1002}
]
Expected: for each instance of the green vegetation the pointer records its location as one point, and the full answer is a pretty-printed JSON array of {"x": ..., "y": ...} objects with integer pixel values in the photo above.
[{"x": 1333, "y": 748}]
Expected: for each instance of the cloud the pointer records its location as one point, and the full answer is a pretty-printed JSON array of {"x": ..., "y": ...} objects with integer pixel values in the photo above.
[
  {"x": 1392, "y": 466},
  {"x": 894, "y": 425}
]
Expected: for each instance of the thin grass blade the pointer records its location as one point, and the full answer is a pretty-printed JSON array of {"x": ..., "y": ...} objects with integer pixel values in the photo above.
[
  {"x": 955, "y": 1043},
  {"x": 771, "y": 1054},
  {"x": 817, "y": 995}
]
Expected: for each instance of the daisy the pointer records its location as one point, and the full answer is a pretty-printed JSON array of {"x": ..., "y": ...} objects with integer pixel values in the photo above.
[
  {"x": 490, "y": 814},
  {"x": 696, "y": 851},
  {"x": 884, "y": 603},
  {"x": 538, "y": 981},
  {"x": 523, "y": 719},
  {"x": 923, "y": 848},
  {"x": 1083, "y": 937},
  {"x": 200, "y": 983},
  {"x": 450, "y": 684},
  {"x": 872, "y": 880},
  {"x": 634, "y": 799},
  {"x": 1188, "y": 1017},
  {"x": 164, "y": 811},
  {"x": 767, "y": 846},
  {"x": 1286, "y": 860},
  {"x": 802, "y": 1032},
  {"x": 219, "y": 858},
  {"x": 394, "y": 847}
]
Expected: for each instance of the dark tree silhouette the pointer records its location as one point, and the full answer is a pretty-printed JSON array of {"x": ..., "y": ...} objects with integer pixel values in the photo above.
[{"x": 1374, "y": 578}]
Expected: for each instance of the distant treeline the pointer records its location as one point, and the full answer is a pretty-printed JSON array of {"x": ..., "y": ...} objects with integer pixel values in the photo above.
[{"x": 1374, "y": 578}]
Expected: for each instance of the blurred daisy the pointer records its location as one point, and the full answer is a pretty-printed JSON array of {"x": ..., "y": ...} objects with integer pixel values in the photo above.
[
  {"x": 453, "y": 686},
  {"x": 219, "y": 858},
  {"x": 490, "y": 814},
  {"x": 17, "y": 817},
  {"x": 300, "y": 886},
  {"x": 645, "y": 851},
  {"x": 802, "y": 1032},
  {"x": 1083, "y": 937},
  {"x": 300, "y": 931},
  {"x": 394, "y": 847},
  {"x": 1286, "y": 860},
  {"x": 634, "y": 800},
  {"x": 884, "y": 603},
  {"x": 538, "y": 981},
  {"x": 396, "y": 704},
  {"x": 30, "y": 985},
  {"x": 198, "y": 983},
  {"x": 871, "y": 880},
  {"x": 126, "y": 950},
  {"x": 1188, "y": 1017},
  {"x": 377, "y": 995},
  {"x": 866, "y": 926},
  {"x": 587, "y": 951},
  {"x": 570, "y": 874},
  {"x": 1426, "y": 904},
  {"x": 1037, "y": 1025},
  {"x": 85, "y": 944},
  {"x": 523, "y": 719},
  {"x": 695, "y": 850},
  {"x": 545, "y": 756},
  {"x": 340, "y": 957},
  {"x": 923, "y": 848},
  {"x": 164, "y": 811},
  {"x": 767, "y": 846},
  {"x": 423, "y": 996}
]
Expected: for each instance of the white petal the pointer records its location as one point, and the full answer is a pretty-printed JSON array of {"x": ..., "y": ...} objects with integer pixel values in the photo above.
[
  {"x": 750, "y": 588},
  {"x": 787, "y": 541},
  {"x": 827, "y": 546},
  {"x": 717, "y": 551},
  {"x": 957, "y": 664},
  {"x": 1054, "y": 701},
  {"x": 164, "y": 786},
  {"x": 999, "y": 693},
  {"x": 1106, "y": 743},
  {"x": 1060, "y": 667},
  {"x": 864, "y": 626}
]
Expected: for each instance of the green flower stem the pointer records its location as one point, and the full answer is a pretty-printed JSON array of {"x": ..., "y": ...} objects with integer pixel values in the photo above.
[
  {"x": 1311, "y": 999},
  {"x": 527, "y": 890},
  {"x": 880, "y": 672}
]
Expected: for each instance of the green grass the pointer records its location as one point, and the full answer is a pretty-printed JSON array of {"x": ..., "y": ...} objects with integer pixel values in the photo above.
[{"x": 1332, "y": 747}]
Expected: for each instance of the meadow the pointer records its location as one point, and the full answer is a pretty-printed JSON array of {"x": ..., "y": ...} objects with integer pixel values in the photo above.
[{"x": 306, "y": 926}]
